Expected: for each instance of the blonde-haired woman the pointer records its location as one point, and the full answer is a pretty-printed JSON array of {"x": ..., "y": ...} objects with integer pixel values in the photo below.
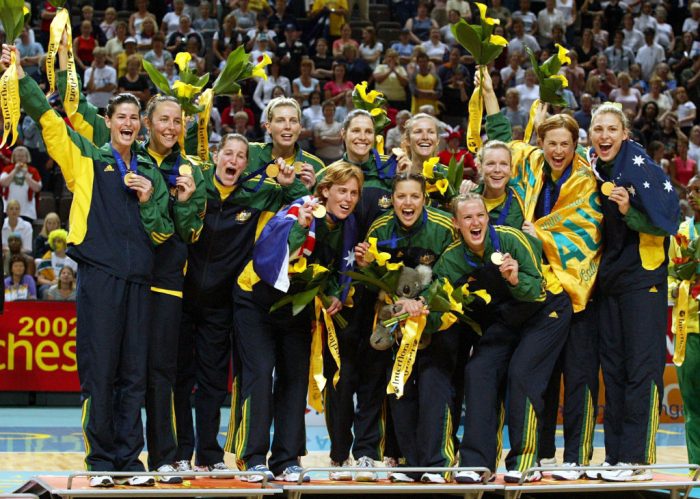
[{"x": 41, "y": 244}]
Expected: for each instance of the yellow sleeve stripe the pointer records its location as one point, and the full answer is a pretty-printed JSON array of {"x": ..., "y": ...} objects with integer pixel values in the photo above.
[
  {"x": 160, "y": 237},
  {"x": 441, "y": 220},
  {"x": 170, "y": 292}
]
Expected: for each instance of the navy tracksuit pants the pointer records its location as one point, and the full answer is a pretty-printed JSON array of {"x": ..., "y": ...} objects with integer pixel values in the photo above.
[
  {"x": 521, "y": 359},
  {"x": 633, "y": 358},
  {"x": 112, "y": 331},
  {"x": 268, "y": 342}
]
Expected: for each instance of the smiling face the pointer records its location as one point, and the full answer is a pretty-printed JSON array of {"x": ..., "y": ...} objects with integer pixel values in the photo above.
[
  {"x": 606, "y": 134},
  {"x": 124, "y": 125},
  {"x": 341, "y": 199},
  {"x": 358, "y": 138},
  {"x": 408, "y": 200},
  {"x": 231, "y": 159},
  {"x": 495, "y": 168},
  {"x": 165, "y": 125},
  {"x": 558, "y": 147},
  {"x": 284, "y": 126},
  {"x": 66, "y": 275},
  {"x": 424, "y": 138},
  {"x": 472, "y": 221}
]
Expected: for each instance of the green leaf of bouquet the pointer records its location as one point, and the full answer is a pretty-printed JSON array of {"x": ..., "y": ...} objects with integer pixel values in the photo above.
[
  {"x": 12, "y": 17},
  {"x": 489, "y": 53},
  {"x": 226, "y": 83},
  {"x": 551, "y": 66},
  {"x": 381, "y": 122},
  {"x": 373, "y": 282},
  {"x": 203, "y": 80},
  {"x": 57, "y": 3},
  {"x": 281, "y": 303},
  {"x": 190, "y": 108},
  {"x": 301, "y": 300},
  {"x": 468, "y": 37},
  {"x": 551, "y": 92},
  {"x": 189, "y": 78},
  {"x": 158, "y": 79}
]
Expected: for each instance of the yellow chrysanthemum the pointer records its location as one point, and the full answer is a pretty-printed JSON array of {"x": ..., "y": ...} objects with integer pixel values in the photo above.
[
  {"x": 367, "y": 97},
  {"x": 564, "y": 81},
  {"x": 498, "y": 40},
  {"x": 563, "y": 54},
  {"x": 379, "y": 256},
  {"x": 185, "y": 90},
  {"x": 429, "y": 166},
  {"x": 259, "y": 68},
  {"x": 299, "y": 266},
  {"x": 182, "y": 59},
  {"x": 482, "y": 13}
]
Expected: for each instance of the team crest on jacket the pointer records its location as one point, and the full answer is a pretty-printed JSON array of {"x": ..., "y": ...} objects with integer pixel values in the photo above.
[
  {"x": 384, "y": 202},
  {"x": 243, "y": 216}
]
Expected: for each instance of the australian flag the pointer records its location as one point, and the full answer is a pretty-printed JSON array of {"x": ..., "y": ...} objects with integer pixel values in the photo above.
[{"x": 649, "y": 187}]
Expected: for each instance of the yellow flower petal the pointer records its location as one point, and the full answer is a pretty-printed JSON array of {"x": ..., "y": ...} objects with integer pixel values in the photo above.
[
  {"x": 377, "y": 111},
  {"x": 429, "y": 166},
  {"x": 367, "y": 97},
  {"x": 185, "y": 90},
  {"x": 318, "y": 269},
  {"x": 484, "y": 17},
  {"x": 498, "y": 40},
  {"x": 564, "y": 81},
  {"x": 299, "y": 266},
  {"x": 259, "y": 69},
  {"x": 563, "y": 54},
  {"x": 393, "y": 266},
  {"x": 380, "y": 257},
  {"x": 484, "y": 295},
  {"x": 182, "y": 59},
  {"x": 442, "y": 185}
]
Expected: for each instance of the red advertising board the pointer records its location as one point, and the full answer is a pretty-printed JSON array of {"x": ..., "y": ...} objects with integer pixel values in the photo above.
[{"x": 37, "y": 347}]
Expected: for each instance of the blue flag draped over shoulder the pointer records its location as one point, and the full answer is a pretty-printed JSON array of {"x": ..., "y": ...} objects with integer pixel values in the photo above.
[
  {"x": 271, "y": 253},
  {"x": 347, "y": 263},
  {"x": 650, "y": 188}
]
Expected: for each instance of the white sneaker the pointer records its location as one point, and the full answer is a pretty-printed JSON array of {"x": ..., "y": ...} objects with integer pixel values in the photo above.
[
  {"x": 467, "y": 477},
  {"x": 567, "y": 474},
  {"x": 184, "y": 466},
  {"x": 264, "y": 471},
  {"x": 341, "y": 476},
  {"x": 292, "y": 474},
  {"x": 629, "y": 475},
  {"x": 220, "y": 467},
  {"x": 365, "y": 476},
  {"x": 595, "y": 474},
  {"x": 101, "y": 481},
  {"x": 398, "y": 477},
  {"x": 432, "y": 478},
  {"x": 135, "y": 481},
  {"x": 548, "y": 461},
  {"x": 163, "y": 477},
  {"x": 514, "y": 476}
]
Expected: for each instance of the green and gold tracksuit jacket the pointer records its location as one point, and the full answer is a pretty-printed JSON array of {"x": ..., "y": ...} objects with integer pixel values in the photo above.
[
  {"x": 260, "y": 154},
  {"x": 187, "y": 217},
  {"x": 109, "y": 228}
]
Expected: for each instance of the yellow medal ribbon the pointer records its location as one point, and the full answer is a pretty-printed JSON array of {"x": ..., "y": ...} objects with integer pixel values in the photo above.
[
  {"x": 476, "y": 110},
  {"x": 205, "y": 100},
  {"x": 681, "y": 321},
  {"x": 379, "y": 143},
  {"x": 72, "y": 95},
  {"x": 317, "y": 381},
  {"x": 531, "y": 121},
  {"x": 9, "y": 101},
  {"x": 60, "y": 23},
  {"x": 181, "y": 138},
  {"x": 411, "y": 330}
]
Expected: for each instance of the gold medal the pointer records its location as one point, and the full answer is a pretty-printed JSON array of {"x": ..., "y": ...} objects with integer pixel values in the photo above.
[
  {"x": 127, "y": 177},
  {"x": 272, "y": 170},
  {"x": 319, "y": 211},
  {"x": 298, "y": 165},
  {"x": 607, "y": 188},
  {"x": 497, "y": 258},
  {"x": 185, "y": 170}
]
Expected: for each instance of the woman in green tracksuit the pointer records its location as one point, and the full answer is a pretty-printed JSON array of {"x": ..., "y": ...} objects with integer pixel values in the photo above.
[
  {"x": 524, "y": 329},
  {"x": 415, "y": 234},
  {"x": 279, "y": 340},
  {"x": 186, "y": 205},
  {"x": 119, "y": 211}
]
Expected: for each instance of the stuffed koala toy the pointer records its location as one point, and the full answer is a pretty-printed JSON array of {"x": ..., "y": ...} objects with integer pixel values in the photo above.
[{"x": 410, "y": 284}]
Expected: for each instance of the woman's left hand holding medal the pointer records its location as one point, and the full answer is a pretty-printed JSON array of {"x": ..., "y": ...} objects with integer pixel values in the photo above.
[
  {"x": 141, "y": 185},
  {"x": 286, "y": 173},
  {"x": 509, "y": 269},
  {"x": 185, "y": 184}
]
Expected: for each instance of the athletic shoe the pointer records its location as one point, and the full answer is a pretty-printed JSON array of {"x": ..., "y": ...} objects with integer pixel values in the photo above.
[
  {"x": 468, "y": 477},
  {"x": 101, "y": 481},
  {"x": 548, "y": 461},
  {"x": 432, "y": 478},
  {"x": 398, "y": 477},
  {"x": 292, "y": 474},
  {"x": 135, "y": 481},
  {"x": 184, "y": 466},
  {"x": 514, "y": 476},
  {"x": 264, "y": 471},
  {"x": 220, "y": 467},
  {"x": 567, "y": 474},
  {"x": 628, "y": 475},
  {"x": 365, "y": 476},
  {"x": 595, "y": 474},
  {"x": 341, "y": 476},
  {"x": 390, "y": 462},
  {"x": 165, "y": 478}
]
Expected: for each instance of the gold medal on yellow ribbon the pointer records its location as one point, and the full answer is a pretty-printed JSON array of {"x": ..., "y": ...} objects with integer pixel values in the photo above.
[
  {"x": 185, "y": 170},
  {"x": 319, "y": 211},
  {"x": 412, "y": 330},
  {"x": 206, "y": 100},
  {"x": 680, "y": 316}
]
